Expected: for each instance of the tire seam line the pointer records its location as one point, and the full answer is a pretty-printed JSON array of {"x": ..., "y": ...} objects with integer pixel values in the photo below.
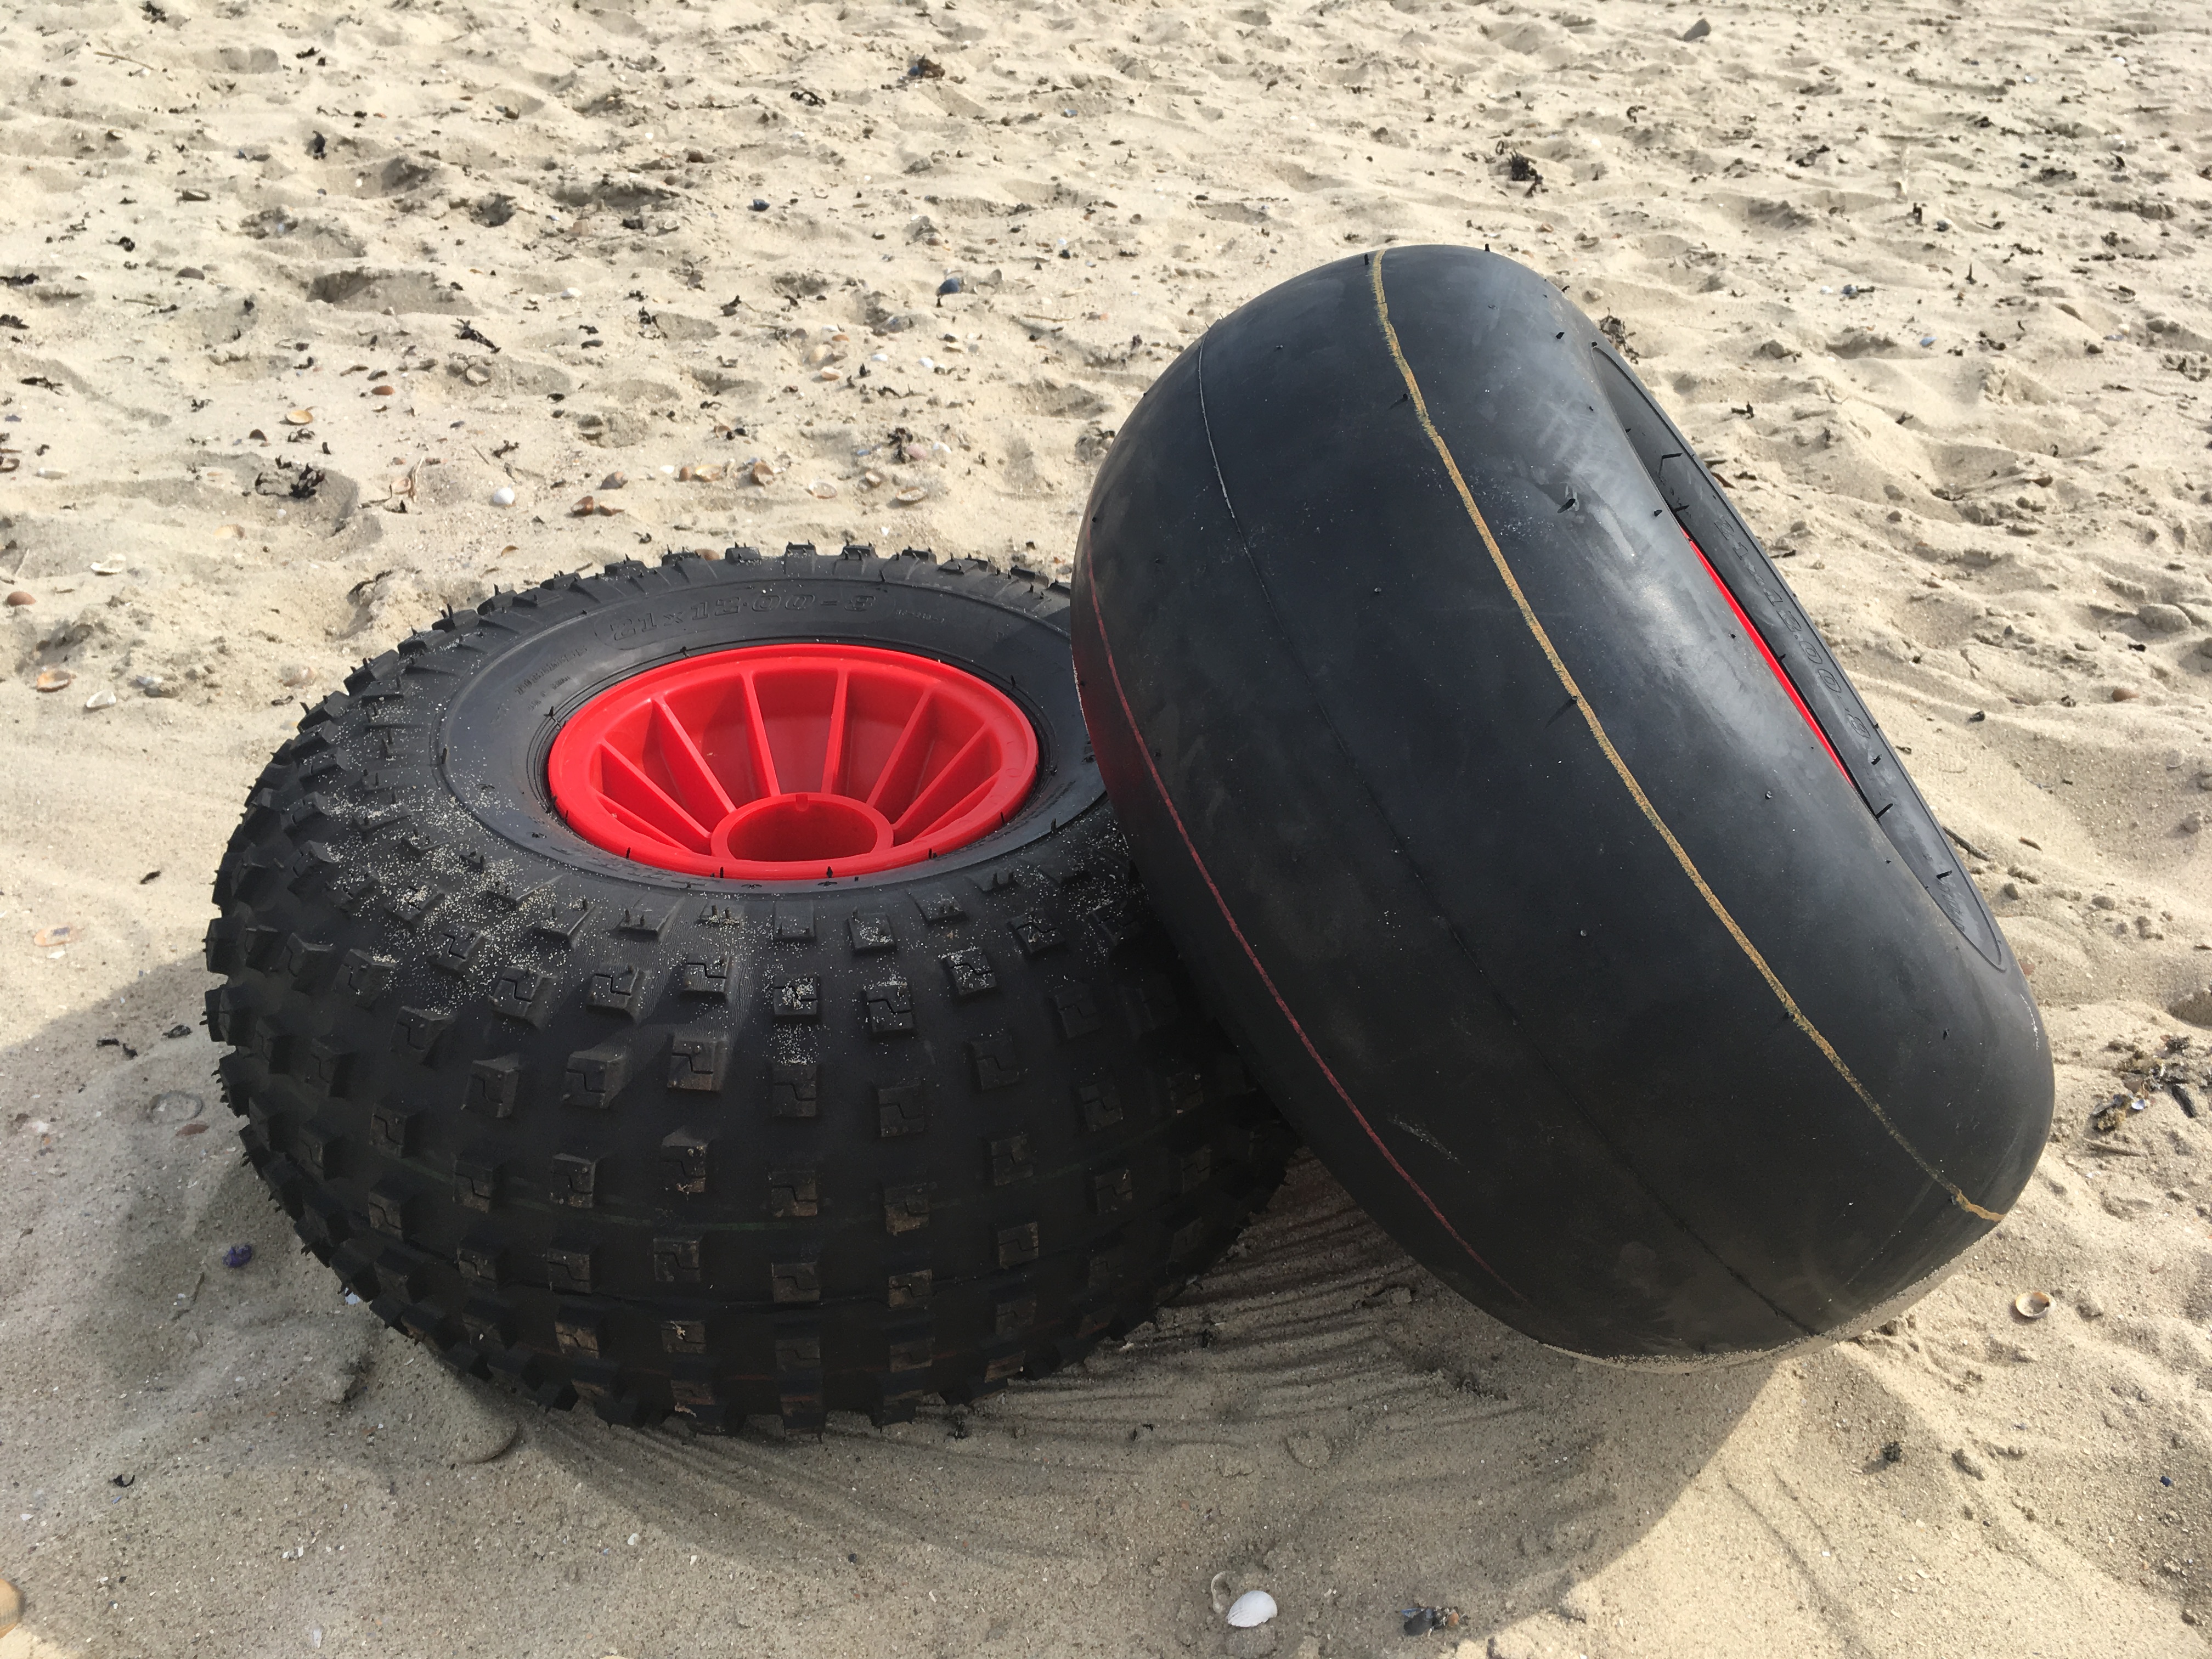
[{"x": 1797, "y": 1015}]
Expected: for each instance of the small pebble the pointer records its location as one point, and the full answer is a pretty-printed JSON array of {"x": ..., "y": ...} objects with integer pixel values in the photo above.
[
  {"x": 2124, "y": 694},
  {"x": 52, "y": 679},
  {"x": 503, "y": 496},
  {"x": 950, "y": 285},
  {"x": 238, "y": 1255},
  {"x": 1253, "y": 1607},
  {"x": 1927, "y": 339},
  {"x": 102, "y": 698},
  {"x": 614, "y": 481},
  {"x": 19, "y": 596},
  {"x": 760, "y": 205},
  {"x": 296, "y": 674},
  {"x": 374, "y": 392},
  {"x": 572, "y": 293},
  {"x": 2031, "y": 1305}
]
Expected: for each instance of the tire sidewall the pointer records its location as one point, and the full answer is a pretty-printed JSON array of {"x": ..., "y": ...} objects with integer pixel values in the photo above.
[{"x": 494, "y": 731}]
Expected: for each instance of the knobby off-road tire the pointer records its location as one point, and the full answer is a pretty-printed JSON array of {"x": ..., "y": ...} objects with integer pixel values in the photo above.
[{"x": 676, "y": 1143}]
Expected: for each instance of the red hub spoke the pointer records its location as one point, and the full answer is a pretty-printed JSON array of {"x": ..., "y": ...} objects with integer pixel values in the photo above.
[{"x": 789, "y": 762}]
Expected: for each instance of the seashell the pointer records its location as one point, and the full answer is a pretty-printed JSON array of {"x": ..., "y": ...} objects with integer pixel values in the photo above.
[
  {"x": 503, "y": 496},
  {"x": 229, "y": 532},
  {"x": 2031, "y": 1305},
  {"x": 61, "y": 933},
  {"x": 53, "y": 472},
  {"x": 831, "y": 375},
  {"x": 584, "y": 509},
  {"x": 1218, "y": 1590},
  {"x": 19, "y": 596},
  {"x": 108, "y": 568},
  {"x": 52, "y": 679},
  {"x": 303, "y": 417},
  {"x": 762, "y": 472},
  {"x": 822, "y": 489},
  {"x": 475, "y": 376},
  {"x": 11, "y": 1606},
  {"x": 102, "y": 698},
  {"x": 1253, "y": 1607},
  {"x": 927, "y": 362},
  {"x": 2124, "y": 694},
  {"x": 296, "y": 674},
  {"x": 376, "y": 392},
  {"x": 614, "y": 481},
  {"x": 910, "y": 495},
  {"x": 913, "y": 452},
  {"x": 872, "y": 478}
]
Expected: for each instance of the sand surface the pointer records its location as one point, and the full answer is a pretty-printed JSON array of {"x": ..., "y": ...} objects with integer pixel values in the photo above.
[{"x": 1928, "y": 287}]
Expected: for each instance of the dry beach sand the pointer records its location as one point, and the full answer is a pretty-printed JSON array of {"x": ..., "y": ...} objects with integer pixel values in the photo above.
[{"x": 1928, "y": 285}]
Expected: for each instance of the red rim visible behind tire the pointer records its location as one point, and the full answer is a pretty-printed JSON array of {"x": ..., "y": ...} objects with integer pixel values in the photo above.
[{"x": 790, "y": 763}]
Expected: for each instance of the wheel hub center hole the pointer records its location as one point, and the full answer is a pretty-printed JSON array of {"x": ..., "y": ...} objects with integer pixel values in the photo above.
[{"x": 805, "y": 828}]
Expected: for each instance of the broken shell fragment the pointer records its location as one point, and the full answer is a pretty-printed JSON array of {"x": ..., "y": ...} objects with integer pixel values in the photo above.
[
  {"x": 103, "y": 698},
  {"x": 762, "y": 472},
  {"x": 229, "y": 532},
  {"x": 2031, "y": 1305},
  {"x": 11, "y": 1606},
  {"x": 52, "y": 679},
  {"x": 61, "y": 933},
  {"x": 910, "y": 495},
  {"x": 822, "y": 489},
  {"x": 614, "y": 481},
  {"x": 107, "y": 568}
]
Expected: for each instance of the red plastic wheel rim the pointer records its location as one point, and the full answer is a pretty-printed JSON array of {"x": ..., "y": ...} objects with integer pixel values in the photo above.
[{"x": 790, "y": 763}]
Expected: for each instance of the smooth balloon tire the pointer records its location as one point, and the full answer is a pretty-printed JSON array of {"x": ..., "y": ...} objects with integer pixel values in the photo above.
[{"x": 1556, "y": 881}]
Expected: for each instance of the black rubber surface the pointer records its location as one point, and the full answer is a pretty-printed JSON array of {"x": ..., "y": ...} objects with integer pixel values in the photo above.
[
  {"x": 1533, "y": 899},
  {"x": 723, "y": 1148}
]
